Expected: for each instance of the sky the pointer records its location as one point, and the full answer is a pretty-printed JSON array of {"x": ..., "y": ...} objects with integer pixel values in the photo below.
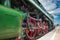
[{"x": 53, "y": 7}]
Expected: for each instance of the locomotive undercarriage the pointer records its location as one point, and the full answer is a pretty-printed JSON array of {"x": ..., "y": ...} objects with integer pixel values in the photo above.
[{"x": 35, "y": 28}]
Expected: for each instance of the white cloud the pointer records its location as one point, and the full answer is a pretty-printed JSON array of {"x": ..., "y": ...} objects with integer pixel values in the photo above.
[
  {"x": 50, "y": 7},
  {"x": 55, "y": 16},
  {"x": 48, "y": 4},
  {"x": 55, "y": 11},
  {"x": 55, "y": 22}
]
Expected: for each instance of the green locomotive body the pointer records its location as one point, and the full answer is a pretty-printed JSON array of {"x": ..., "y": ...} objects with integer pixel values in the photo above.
[{"x": 10, "y": 22}]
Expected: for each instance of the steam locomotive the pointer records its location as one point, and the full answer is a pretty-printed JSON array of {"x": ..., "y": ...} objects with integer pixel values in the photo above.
[{"x": 36, "y": 21}]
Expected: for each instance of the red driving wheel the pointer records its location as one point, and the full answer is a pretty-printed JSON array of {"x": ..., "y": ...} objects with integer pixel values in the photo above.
[
  {"x": 31, "y": 32},
  {"x": 46, "y": 27},
  {"x": 40, "y": 28}
]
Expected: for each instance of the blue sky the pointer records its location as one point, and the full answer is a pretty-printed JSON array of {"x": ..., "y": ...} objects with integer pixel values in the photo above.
[{"x": 53, "y": 7}]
